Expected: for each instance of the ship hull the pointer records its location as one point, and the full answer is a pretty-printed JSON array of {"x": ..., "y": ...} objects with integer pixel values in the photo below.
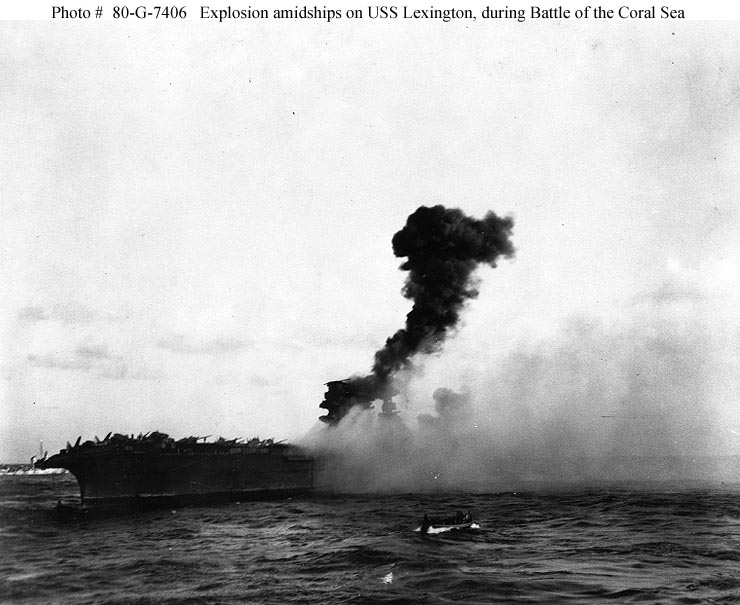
[
  {"x": 151, "y": 479},
  {"x": 155, "y": 501}
]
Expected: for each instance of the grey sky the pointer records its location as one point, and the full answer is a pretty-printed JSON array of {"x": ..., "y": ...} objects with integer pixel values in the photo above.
[{"x": 196, "y": 222}]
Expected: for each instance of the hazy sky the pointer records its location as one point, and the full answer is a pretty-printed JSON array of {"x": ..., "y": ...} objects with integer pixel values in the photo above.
[{"x": 196, "y": 225}]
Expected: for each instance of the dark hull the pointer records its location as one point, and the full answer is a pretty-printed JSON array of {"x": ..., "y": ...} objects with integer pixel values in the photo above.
[
  {"x": 174, "y": 478},
  {"x": 115, "y": 506}
]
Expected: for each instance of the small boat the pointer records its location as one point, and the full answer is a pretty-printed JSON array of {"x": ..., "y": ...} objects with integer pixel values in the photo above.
[
  {"x": 32, "y": 469},
  {"x": 439, "y": 524}
]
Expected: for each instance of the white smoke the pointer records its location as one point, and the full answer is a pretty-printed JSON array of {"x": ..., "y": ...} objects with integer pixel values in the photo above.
[{"x": 641, "y": 399}]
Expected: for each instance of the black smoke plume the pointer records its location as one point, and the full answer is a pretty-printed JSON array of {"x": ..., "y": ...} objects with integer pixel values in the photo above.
[{"x": 443, "y": 247}]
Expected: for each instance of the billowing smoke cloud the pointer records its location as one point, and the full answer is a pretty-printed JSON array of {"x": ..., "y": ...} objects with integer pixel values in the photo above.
[
  {"x": 646, "y": 395},
  {"x": 633, "y": 403},
  {"x": 450, "y": 407},
  {"x": 443, "y": 247}
]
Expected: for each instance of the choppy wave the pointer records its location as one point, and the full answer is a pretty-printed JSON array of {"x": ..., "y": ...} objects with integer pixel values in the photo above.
[{"x": 614, "y": 546}]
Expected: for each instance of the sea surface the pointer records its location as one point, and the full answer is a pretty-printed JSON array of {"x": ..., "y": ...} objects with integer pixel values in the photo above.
[{"x": 677, "y": 545}]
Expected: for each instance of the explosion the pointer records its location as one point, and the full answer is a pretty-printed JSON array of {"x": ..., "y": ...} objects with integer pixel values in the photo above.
[{"x": 443, "y": 247}]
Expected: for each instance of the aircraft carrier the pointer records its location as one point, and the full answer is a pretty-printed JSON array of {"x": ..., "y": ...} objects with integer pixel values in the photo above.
[{"x": 156, "y": 470}]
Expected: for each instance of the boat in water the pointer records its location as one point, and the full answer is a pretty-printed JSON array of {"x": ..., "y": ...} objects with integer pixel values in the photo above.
[
  {"x": 26, "y": 470},
  {"x": 156, "y": 470},
  {"x": 437, "y": 525}
]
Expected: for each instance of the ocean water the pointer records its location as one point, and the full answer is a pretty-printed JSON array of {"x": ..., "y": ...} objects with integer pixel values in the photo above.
[{"x": 675, "y": 545}]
